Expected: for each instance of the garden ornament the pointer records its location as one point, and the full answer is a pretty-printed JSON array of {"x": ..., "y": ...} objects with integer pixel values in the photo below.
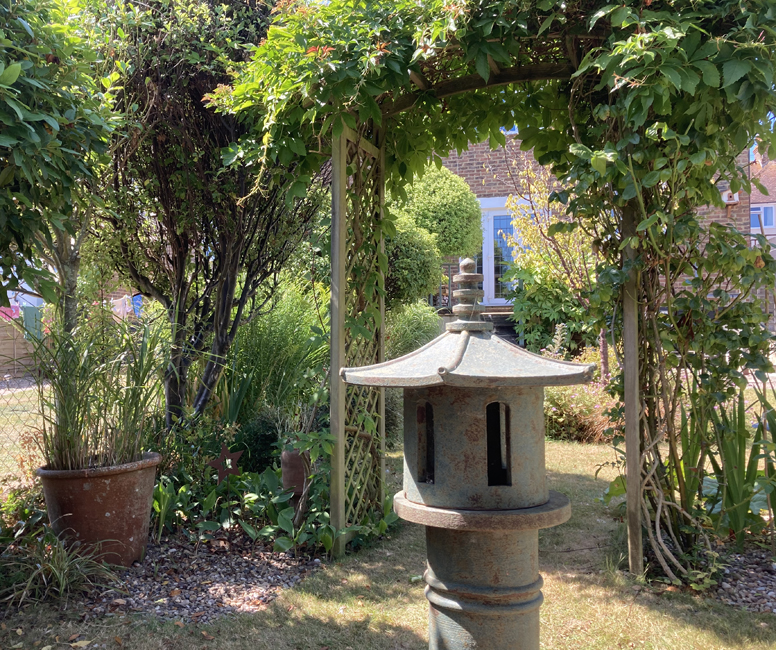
[
  {"x": 226, "y": 463},
  {"x": 474, "y": 474}
]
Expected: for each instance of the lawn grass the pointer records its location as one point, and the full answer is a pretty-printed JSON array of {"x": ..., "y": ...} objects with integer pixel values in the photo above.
[{"x": 369, "y": 600}]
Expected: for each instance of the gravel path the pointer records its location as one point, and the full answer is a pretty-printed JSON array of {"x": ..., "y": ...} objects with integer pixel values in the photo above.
[
  {"x": 182, "y": 582},
  {"x": 749, "y": 582}
]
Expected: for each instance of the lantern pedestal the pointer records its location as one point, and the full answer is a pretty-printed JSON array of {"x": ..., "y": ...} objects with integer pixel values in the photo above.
[
  {"x": 474, "y": 474},
  {"x": 482, "y": 578}
]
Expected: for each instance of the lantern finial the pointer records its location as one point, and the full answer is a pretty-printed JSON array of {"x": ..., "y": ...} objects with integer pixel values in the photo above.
[{"x": 468, "y": 308}]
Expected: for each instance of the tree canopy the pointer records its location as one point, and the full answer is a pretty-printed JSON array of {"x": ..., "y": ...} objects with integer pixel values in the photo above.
[
  {"x": 204, "y": 237},
  {"x": 51, "y": 125}
]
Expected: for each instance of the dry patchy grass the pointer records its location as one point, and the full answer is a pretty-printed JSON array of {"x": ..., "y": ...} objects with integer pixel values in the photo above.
[{"x": 367, "y": 601}]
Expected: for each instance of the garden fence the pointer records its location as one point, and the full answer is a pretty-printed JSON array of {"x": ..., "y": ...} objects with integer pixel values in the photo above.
[
  {"x": 19, "y": 421},
  {"x": 18, "y": 400}
]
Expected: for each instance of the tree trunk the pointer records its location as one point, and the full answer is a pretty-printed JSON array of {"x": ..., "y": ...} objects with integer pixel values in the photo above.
[{"x": 68, "y": 302}]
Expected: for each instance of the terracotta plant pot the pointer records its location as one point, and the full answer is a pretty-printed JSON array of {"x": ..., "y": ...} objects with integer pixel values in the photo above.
[
  {"x": 292, "y": 472},
  {"x": 109, "y": 506}
]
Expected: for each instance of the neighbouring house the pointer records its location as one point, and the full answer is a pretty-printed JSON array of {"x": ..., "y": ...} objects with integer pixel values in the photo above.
[
  {"x": 489, "y": 174},
  {"x": 762, "y": 213}
]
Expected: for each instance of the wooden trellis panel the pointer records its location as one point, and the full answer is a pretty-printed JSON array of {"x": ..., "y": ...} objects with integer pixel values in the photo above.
[{"x": 357, "y": 310}]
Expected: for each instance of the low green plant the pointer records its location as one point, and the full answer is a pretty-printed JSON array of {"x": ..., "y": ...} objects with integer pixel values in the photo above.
[
  {"x": 283, "y": 352},
  {"x": 738, "y": 478},
  {"x": 582, "y": 413},
  {"x": 39, "y": 566}
]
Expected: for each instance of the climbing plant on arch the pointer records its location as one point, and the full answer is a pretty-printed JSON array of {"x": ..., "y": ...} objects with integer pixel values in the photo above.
[{"x": 640, "y": 108}]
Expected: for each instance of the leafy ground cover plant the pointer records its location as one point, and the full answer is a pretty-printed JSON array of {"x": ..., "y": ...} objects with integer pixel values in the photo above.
[{"x": 34, "y": 564}]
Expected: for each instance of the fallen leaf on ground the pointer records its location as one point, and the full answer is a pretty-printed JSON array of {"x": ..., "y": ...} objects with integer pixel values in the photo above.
[
  {"x": 47, "y": 647},
  {"x": 117, "y": 639},
  {"x": 80, "y": 644},
  {"x": 175, "y": 592},
  {"x": 118, "y": 601},
  {"x": 179, "y": 623},
  {"x": 207, "y": 636},
  {"x": 19, "y": 631},
  {"x": 73, "y": 637}
]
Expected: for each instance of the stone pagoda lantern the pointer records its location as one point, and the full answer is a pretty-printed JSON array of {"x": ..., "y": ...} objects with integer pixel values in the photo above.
[{"x": 474, "y": 474}]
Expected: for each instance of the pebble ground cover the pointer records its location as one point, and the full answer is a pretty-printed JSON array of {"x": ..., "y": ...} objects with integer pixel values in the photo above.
[{"x": 374, "y": 599}]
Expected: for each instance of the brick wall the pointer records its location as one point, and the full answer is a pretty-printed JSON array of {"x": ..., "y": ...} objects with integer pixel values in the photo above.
[{"x": 489, "y": 173}]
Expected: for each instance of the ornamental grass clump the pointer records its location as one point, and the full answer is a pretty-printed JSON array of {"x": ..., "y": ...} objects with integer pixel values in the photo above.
[{"x": 96, "y": 388}]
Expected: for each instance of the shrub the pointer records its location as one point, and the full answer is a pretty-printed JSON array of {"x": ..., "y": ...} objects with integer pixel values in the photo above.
[
  {"x": 283, "y": 352},
  {"x": 414, "y": 263},
  {"x": 443, "y": 204},
  {"x": 406, "y": 329},
  {"x": 580, "y": 413},
  {"x": 540, "y": 303}
]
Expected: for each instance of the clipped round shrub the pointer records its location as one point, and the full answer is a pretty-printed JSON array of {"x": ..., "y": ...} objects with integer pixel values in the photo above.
[
  {"x": 442, "y": 203},
  {"x": 414, "y": 264}
]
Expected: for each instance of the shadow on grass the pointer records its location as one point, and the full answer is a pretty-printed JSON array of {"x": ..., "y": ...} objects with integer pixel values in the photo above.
[
  {"x": 731, "y": 626},
  {"x": 578, "y": 551}
]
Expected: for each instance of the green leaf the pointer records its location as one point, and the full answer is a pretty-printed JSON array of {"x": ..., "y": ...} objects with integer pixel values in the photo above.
[
  {"x": 7, "y": 141},
  {"x": 209, "y": 525},
  {"x": 581, "y": 151},
  {"x": 709, "y": 72},
  {"x": 647, "y": 223},
  {"x": 10, "y": 74},
  {"x": 651, "y": 179},
  {"x": 209, "y": 502},
  {"x": 6, "y": 176},
  {"x": 250, "y": 530},
  {"x": 483, "y": 68},
  {"x": 598, "y": 162},
  {"x": 282, "y": 544},
  {"x": 734, "y": 69},
  {"x": 286, "y": 520},
  {"x": 672, "y": 74},
  {"x": 546, "y": 24}
]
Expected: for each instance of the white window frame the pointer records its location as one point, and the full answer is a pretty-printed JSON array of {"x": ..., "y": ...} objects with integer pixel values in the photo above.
[
  {"x": 768, "y": 230},
  {"x": 491, "y": 207}
]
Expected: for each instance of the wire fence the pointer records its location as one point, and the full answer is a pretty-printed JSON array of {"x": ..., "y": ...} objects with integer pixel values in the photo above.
[
  {"x": 19, "y": 418},
  {"x": 19, "y": 423}
]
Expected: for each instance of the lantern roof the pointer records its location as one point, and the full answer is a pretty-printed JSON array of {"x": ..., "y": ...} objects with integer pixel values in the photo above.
[{"x": 468, "y": 354}]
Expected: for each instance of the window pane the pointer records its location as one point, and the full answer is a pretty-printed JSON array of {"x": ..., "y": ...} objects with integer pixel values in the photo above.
[
  {"x": 768, "y": 217},
  {"x": 502, "y": 252},
  {"x": 754, "y": 219}
]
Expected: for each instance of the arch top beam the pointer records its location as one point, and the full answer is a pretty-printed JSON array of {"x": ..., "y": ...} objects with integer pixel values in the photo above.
[{"x": 459, "y": 85}]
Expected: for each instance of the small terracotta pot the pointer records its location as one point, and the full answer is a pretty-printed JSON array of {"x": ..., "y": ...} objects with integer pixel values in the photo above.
[
  {"x": 105, "y": 506},
  {"x": 292, "y": 472}
]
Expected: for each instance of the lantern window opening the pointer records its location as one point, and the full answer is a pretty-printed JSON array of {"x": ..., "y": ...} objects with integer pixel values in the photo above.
[
  {"x": 498, "y": 444},
  {"x": 425, "y": 421}
]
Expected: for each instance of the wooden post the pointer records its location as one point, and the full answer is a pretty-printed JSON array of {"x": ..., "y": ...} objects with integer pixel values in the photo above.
[
  {"x": 630, "y": 326},
  {"x": 381, "y": 330},
  {"x": 338, "y": 307}
]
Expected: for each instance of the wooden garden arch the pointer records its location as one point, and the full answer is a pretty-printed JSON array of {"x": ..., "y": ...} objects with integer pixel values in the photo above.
[{"x": 357, "y": 412}]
